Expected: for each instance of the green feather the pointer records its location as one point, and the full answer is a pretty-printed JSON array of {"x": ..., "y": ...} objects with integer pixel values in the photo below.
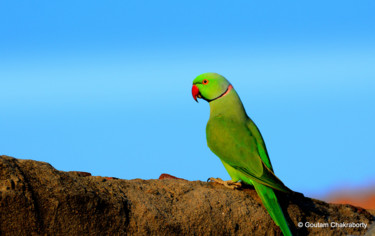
[{"x": 272, "y": 205}]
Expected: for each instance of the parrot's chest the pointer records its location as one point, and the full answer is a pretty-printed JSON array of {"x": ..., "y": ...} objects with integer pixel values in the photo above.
[{"x": 221, "y": 135}]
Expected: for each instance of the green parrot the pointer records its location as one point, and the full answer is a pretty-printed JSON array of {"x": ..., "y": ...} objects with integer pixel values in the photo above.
[{"x": 236, "y": 140}]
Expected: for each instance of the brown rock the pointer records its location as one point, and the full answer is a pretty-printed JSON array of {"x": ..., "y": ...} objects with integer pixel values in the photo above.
[{"x": 36, "y": 199}]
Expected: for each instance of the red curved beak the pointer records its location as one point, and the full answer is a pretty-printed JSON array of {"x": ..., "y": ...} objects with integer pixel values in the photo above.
[{"x": 195, "y": 92}]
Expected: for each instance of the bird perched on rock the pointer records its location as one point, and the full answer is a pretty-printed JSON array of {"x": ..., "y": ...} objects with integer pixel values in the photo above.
[{"x": 236, "y": 140}]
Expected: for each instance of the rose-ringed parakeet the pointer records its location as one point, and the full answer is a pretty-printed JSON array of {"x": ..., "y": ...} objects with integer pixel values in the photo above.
[{"x": 236, "y": 140}]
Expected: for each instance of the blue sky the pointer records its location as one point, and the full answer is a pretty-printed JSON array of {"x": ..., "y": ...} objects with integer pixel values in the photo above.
[{"x": 105, "y": 87}]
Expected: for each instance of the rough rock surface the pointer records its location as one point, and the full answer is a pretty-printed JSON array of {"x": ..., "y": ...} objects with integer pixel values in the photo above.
[{"x": 36, "y": 199}]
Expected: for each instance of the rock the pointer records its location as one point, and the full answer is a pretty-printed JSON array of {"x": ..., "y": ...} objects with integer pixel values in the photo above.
[{"x": 36, "y": 199}]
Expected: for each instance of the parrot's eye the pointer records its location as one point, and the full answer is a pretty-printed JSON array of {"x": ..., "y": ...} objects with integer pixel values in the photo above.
[{"x": 205, "y": 81}]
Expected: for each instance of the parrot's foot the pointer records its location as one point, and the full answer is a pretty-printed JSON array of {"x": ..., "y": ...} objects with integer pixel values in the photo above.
[{"x": 229, "y": 183}]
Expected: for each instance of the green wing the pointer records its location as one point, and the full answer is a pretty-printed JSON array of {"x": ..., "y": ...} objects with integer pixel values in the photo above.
[
  {"x": 261, "y": 146},
  {"x": 239, "y": 147}
]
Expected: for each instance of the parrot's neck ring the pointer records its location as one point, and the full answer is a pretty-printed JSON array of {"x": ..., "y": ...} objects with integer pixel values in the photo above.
[{"x": 222, "y": 95}]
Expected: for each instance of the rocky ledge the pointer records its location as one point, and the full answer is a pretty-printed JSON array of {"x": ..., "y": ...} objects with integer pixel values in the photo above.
[{"x": 36, "y": 199}]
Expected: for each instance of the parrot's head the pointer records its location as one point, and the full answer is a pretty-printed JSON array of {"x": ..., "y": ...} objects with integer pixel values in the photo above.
[{"x": 210, "y": 86}]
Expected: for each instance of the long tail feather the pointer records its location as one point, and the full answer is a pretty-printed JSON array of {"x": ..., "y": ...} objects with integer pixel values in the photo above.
[{"x": 272, "y": 205}]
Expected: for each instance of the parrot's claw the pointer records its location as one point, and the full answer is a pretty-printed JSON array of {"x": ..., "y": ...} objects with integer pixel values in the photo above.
[{"x": 229, "y": 183}]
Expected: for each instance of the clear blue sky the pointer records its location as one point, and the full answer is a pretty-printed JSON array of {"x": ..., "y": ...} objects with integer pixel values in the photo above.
[{"x": 105, "y": 86}]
